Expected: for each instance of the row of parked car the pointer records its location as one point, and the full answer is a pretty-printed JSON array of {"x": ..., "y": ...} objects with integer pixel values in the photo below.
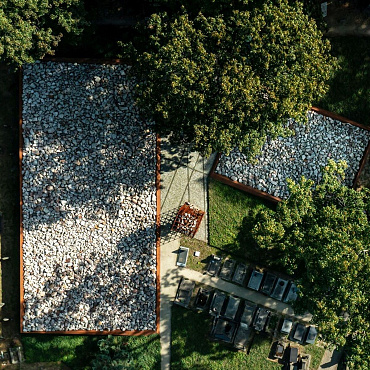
[
  {"x": 235, "y": 319},
  {"x": 264, "y": 282}
]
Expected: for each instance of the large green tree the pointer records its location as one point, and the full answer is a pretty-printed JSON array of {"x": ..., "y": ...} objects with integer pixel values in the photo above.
[
  {"x": 230, "y": 79},
  {"x": 323, "y": 236},
  {"x": 30, "y": 29}
]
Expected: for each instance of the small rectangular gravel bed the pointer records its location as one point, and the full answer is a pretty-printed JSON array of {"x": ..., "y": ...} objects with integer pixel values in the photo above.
[
  {"x": 303, "y": 154},
  {"x": 89, "y": 201}
]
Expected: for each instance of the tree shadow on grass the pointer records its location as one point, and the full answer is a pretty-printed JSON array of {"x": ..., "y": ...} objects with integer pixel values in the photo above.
[{"x": 252, "y": 252}]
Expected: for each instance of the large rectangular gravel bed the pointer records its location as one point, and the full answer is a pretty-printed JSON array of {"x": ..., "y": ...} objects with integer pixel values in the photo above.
[
  {"x": 89, "y": 201},
  {"x": 303, "y": 154}
]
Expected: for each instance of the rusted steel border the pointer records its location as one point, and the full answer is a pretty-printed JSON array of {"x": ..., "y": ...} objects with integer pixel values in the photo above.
[
  {"x": 362, "y": 165},
  {"x": 269, "y": 197},
  {"x": 85, "y": 60},
  {"x": 157, "y": 221},
  {"x": 346, "y": 120},
  {"x": 158, "y": 227},
  {"x": 238, "y": 185},
  {"x": 246, "y": 188},
  {"x": 20, "y": 154},
  {"x": 339, "y": 118}
]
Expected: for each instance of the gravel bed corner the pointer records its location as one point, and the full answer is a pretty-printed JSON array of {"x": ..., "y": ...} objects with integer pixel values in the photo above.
[
  {"x": 303, "y": 154},
  {"x": 89, "y": 201}
]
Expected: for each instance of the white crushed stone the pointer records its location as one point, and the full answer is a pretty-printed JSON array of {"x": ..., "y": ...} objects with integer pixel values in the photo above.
[
  {"x": 304, "y": 154},
  {"x": 89, "y": 201}
]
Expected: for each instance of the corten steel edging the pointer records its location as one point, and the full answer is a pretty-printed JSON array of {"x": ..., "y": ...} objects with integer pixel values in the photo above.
[
  {"x": 158, "y": 227},
  {"x": 346, "y": 120},
  {"x": 338, "y": 117},
  {"x": 20, "y": 154},
  {"x": 362, "y": 165},
  {"x": 95, "y": 332},
  {"x": 246, "y": 188},
  {"x": 157, "y": 222},
  {"x": 261, "y": 194},
  {"x": 86, "y": 60}
]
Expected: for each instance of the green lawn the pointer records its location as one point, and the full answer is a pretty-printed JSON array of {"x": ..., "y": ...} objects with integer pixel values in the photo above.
[
  {"x": 231, "y": 214},
  {"x": 191, "y": 348},
  {"x": 200, "y": 263},
  {"x": 316, "y": 354},
  {"x": 349, "y": 93},
  {"x": 77, "y": 351}
]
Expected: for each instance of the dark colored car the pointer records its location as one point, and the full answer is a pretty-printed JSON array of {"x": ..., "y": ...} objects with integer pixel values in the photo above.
[
  {"x": 224, "y": 330},
  {"x": 260, "y": 320},
  {"x": 279, "y": 350},
  {"x": 268, "y": 283},
  {"x": 214, "y": 265},
  {"x": 202, "y": 298},
  {"x": 227, "y": 269},
  {"x": 311, "y": 335},
  {"x": 299, "y": 332},
  {"x": 182, "y": 256},
  {"x": 240, "y": 273},
  {"x": 255, "y": 280},
  {"x": 291, "y": 293},
  {"x": 184, "y": 292},
  {"x": 248, "y": 314},
  {"x": 232, "y": 307},
  {"x": 242, "y": 337},
  {"x": 217, "y": 303},
  {"x": 292, "y": 354},
  {"x": 287, "y": 326},
  {"x": 279, "y": 289}
]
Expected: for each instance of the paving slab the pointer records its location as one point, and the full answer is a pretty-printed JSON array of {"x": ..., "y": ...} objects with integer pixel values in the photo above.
[{"x": 330, "y": 360}]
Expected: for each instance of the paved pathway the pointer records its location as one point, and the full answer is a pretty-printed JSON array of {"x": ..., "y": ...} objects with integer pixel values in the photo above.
[
  {"x": 184, "y": 176},
  {"x": 330, "y": 360}
]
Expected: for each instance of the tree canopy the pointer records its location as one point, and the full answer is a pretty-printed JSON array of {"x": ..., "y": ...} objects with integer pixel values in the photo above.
[
  {"x": 323, "y": 235},
  {"x": 30, "y": 29},
  {"x": 230, "y": 79}
]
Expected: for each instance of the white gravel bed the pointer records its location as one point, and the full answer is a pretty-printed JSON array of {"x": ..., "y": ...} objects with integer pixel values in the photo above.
[
  {"x": 89, "y": 201},
  {"x": 304, "y": 154}
]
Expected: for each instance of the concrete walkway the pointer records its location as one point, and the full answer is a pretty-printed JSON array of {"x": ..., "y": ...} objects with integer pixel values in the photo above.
[
  {"x": 330, "y": 360},
  {"x": 184, "y": 176},
  {"x": 170, "y": 278}
]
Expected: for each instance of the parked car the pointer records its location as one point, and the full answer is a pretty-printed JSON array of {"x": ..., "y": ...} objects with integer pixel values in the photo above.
[
  {"x": 279, "y": 289},
  {"x": 224, "y": 330},
  {"x": 279, "y": 350},
  {"x": 291, "y": 293},
  {"x": 248, "y": 313},
  {"x": 202, "y": 298},
  {"x": 255, "y": 280},
  {"x": 268, "y": 283},
  {"x": 299, "y": 332},
  {"x": 311, "y": 335},
  {"x": 182, "y": 256},
  {"x": 217, "y": 303},
  {"x": 232, "y": 307},
  {"x": 260, "y": 319},
  {"x": 227, "y": 269},
  {"x": 240, "y": 273},
  {"x": 214, "y": 265},
  {"x": 292, "y": 354},
  {"x": 242, "y": 337},
  {"x": 287, "y": 326},
  {"x": 184, "y": 292}
]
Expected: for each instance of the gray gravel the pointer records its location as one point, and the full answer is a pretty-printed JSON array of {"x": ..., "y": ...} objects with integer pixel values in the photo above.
[
  {"x": 89, "y": 201},
  {"x": 304, "y": 154}
]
